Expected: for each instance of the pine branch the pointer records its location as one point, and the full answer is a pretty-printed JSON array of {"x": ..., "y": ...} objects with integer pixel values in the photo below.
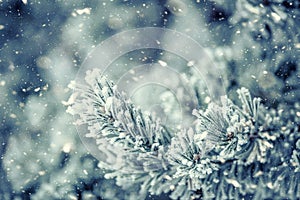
[
  {"x": 238, "y": 132},
  {"x": 224, "y": 156},
  {"x": 134, "y": 144}
]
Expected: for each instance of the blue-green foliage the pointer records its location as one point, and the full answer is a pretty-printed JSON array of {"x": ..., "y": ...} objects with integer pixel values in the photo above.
[{"x": 233, "y": 151}]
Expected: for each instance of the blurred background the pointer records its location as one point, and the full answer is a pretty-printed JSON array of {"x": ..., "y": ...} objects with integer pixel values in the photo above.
[{"x": 43, "y": 44}]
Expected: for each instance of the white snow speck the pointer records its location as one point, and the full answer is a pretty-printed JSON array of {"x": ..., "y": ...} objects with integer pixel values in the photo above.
[
  {"x": 136, "y": 79},
  {"x": 176, "y": 7},
  {"x": 83, "y": 11},
  {"x": 207, "y": 100},
  {"x": 12, "y": 115},
  {"x": 67, "y": 147},
  {"x": 37, "y": 89},
  {"x": 162, "y": 63},
  {"x": 132, "y": 71},
  {"x": 191, "y": 63},
  {"x": 276, "y": 17}
]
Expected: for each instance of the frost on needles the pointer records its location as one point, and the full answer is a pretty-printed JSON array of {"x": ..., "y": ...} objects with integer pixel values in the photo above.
[{"x": 233, "y": 150}]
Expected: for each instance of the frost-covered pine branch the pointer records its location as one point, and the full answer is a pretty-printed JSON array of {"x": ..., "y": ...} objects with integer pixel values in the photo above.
[
  {"x": 236, "y": 131},
  {"x": 234, "y": 150},
  {"x": 256, "y": 149},
  {"x": 134, "y": 144}
]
